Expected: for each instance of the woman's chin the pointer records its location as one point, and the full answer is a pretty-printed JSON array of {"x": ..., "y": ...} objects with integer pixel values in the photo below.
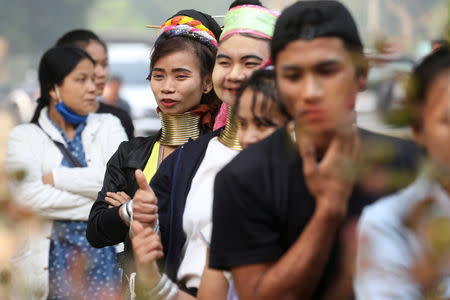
[
  {"x": 91, "y": 109},
  {"x": 228, "y": 98},
  {"x": 84, "y": 114},
  {"x": 171, "y": 110}
]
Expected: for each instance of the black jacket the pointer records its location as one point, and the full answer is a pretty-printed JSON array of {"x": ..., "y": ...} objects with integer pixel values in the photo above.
[
  {"x": 171, "y": 184},
  {"x": 105, "y": 227}
]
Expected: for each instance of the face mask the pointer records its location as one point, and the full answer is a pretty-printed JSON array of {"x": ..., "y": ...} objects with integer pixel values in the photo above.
[{"x": 68, "y": 114}]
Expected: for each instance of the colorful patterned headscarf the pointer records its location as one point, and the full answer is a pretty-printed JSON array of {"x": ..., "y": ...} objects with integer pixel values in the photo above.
[
  {"x": 187, "y": 26},
  {"x": 251, "y": 19},
  {"x": 203, "y": 28}
]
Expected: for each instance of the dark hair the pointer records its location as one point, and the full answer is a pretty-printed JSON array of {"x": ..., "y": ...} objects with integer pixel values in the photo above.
[
  {"x": 422, "y": 77},
  {"x": 79, "y": 38},
  {"x": 55, "y": 65},
  {"x": 263, "y": 81},
  {"x": 359, "y": 58},
  {"x": 206, "y": 59},
  {"x": 440, "y": 42},
  {"x": 308, "y": 20},
  {"x": 245, "y": 2}
]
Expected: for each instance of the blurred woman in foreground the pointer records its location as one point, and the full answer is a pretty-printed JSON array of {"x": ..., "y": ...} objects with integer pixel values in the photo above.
[{"x": 404, "y": 240}]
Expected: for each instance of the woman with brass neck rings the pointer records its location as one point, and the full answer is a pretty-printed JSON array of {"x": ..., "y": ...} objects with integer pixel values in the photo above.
[
  {"x": 180, "y": 78},
  {"x": 183, "y": 186}
]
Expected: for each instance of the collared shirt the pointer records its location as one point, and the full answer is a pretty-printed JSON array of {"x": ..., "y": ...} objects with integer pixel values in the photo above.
[{"x": 75, "y": 146}]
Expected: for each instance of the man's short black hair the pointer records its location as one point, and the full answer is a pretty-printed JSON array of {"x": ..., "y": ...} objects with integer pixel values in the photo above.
[{"x": 307, "y": 20}]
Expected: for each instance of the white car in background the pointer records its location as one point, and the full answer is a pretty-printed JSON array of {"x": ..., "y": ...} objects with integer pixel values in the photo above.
[{"x": 131, "y": 62}]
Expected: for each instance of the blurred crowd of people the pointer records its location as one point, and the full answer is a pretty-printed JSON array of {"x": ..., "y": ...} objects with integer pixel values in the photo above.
[{"x": 259, "y": 184}]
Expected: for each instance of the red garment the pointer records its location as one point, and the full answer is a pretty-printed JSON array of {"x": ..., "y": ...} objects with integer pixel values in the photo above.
[
  {"x": 204, "y": 111},
  {"x": 221, "y": 118}
]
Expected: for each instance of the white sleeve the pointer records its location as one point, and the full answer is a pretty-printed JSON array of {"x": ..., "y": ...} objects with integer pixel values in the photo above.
[
  {"x": 30, "y": 192},
  {"x": 82, "y": 181},
  {"x": 383, "y": 261},
  {"x": 89, "y": 181}
]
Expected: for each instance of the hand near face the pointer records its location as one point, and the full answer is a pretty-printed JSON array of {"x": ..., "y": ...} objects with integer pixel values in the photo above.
[
  {"x": 330, "y": 181},
  {"x": 147, "y": 250},
  {"x": 145, "y": 208}
]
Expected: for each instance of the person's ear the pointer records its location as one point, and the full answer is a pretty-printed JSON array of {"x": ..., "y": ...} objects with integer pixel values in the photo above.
[
  {"x": 362, "y": 70},
  {"x": 207, "y": 84},
  {"x": 53, "y": 94}
]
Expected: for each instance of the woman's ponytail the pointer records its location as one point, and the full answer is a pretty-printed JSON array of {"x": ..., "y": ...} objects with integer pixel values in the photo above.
[{"x": 42, "y": 102}]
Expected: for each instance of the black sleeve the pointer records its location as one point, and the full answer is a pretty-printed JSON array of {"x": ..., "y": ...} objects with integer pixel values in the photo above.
[
  {"x": 105, "y": 227},
  {"x": 245, "y": 229}
]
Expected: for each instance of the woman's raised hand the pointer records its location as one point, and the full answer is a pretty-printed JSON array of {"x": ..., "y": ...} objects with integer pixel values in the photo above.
[
  {"x": 147, "y": 248},
  {"x": 145, "y": 208}
]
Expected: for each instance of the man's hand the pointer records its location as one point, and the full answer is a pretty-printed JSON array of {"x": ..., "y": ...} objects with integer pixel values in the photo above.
[
  {"x": 147, "y": 250},
  {"x": 331, "y": 180},
  {"x": 145, "y": 208}
]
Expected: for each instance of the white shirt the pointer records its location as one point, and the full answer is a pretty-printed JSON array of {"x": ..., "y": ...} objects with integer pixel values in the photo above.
[
  {"x": 198, "y": 211},
  {"x": 388, "y": 249}
]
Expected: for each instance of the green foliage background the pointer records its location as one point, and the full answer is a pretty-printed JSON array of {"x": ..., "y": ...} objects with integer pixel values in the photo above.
[{"x": 32, "y": 26}]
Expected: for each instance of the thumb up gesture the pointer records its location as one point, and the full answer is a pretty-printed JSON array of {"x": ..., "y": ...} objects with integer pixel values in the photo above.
[{"x": 145, "y": 208}]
